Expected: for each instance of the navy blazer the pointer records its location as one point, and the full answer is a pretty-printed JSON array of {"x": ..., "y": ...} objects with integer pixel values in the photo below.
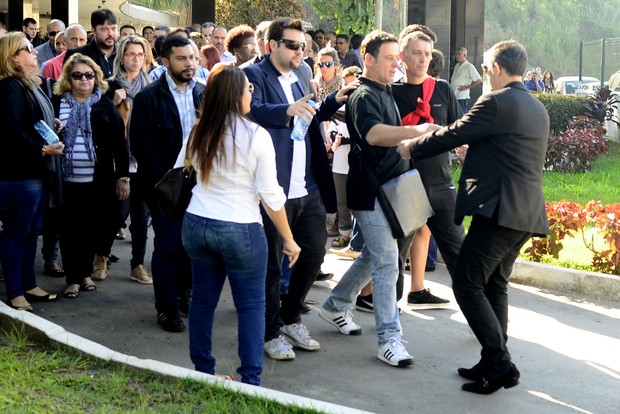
[
  {"x": 507, "y": 132},
  {"x": 269, "y": 106},
  {"x": 155, "y": 132}
]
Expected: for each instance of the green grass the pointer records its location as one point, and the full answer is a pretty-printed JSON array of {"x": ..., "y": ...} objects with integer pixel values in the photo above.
[
  {"x": 36, "y": 379},
  {"x": 601, "y": 183}
]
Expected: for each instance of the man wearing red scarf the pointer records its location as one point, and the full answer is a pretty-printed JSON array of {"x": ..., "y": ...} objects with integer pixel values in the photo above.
[{"x": 423, "y": 99}]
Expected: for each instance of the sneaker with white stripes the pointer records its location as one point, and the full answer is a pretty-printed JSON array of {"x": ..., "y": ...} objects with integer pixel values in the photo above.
[
  {"x": 300, "y": 337},
  {"x": 341, "y": 320},
  {"x": 394, "y": 353}
]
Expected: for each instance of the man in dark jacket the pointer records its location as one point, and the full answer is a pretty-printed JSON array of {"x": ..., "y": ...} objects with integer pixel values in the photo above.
[
  {"x": 304, "y": 174},
  {"x": 501, "y": 188},
  {"x": 102, "y": 49},
  {"x": 160, "y": 125}
]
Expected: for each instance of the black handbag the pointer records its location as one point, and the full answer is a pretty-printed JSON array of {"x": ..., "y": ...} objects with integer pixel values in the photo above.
[{"x": 174, "y": 191}]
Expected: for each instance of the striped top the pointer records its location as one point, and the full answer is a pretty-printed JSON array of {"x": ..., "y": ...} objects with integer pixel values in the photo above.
[{"x": 83, "y": 168}]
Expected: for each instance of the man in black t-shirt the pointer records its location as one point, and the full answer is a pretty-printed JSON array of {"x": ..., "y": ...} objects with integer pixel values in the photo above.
[
  {"x": 375, "y": 128},
  {"x": 421, "y": 99}
]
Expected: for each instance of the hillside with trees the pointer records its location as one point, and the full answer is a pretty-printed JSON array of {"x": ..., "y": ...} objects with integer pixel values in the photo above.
[{"x": 551, "y": 29}]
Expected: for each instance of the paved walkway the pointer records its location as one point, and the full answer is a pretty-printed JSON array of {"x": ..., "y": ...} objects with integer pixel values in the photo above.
[{"x": 567, "y": 349}]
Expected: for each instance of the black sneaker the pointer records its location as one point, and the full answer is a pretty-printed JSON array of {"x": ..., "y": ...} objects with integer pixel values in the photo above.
[
  {"x": 364, "y": 303},
  {"x": 324, "y": 276},
  {"x": 170, "y": 321},
  {"x": 424, "y": 299}
]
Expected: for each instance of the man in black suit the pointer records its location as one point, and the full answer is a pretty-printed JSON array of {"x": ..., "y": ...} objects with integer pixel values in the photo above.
[
  {"x": 501, "y": 187},
  {"x": 161, "y": 119}
]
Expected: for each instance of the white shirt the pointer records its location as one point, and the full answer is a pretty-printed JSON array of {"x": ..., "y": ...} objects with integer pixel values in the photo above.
[
  {"x": 341, "y": 155},
  {"x": 235, "y": 184},
  {"x": 297, "y": 186},
  {"x": 464, "y": 74}
]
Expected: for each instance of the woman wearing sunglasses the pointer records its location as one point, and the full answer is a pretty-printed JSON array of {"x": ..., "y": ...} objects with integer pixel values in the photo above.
[
  {"x": 223, "y": 230},
  {"x": 23, "y": 161},
  {"x": 94, "y": 171},
  {"x": 327, "y": 69}
]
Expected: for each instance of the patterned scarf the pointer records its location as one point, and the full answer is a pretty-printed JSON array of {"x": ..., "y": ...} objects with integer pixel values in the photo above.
[{"x": 78, "y": 121}]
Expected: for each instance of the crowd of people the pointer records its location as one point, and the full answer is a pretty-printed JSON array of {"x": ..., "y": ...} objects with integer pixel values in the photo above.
[{"x": 121, "y": 109}]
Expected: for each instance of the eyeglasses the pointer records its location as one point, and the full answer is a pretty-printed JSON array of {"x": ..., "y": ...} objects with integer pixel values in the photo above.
[
  {"x": 29, "y": 48},
  {"x": 134, "y": 55},
  {"x": 80, "y": 75},
  {"x": 250, "y": 46},
  {"x": 326, "y": 64},
  {"x": 250, "y": 88},
  {"x": 292, "y": 44},
  {"x": 52, "y": 34}
]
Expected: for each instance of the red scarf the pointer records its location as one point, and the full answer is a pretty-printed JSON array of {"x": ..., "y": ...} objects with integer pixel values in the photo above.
[{"x": 423, "y": 109}]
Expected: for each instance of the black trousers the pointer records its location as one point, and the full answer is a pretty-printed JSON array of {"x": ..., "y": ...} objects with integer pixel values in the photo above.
[
  {"x": 306, "y": 216},
  {"x": 448, "y": 236},
  {"x": 85, "y": 214},
  {"x": 481, "y": 284}
]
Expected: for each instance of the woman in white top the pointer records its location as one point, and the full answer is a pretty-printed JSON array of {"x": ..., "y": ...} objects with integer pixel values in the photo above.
[{"x": 222, "y": 230}]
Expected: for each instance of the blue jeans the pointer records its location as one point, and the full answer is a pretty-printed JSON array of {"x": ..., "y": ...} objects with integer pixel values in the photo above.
[
  {"x": 238, "y": 250},
  {"x": 379, "y": 262},
  {"x": 464, "y": 104},
  {"x": 21, "y": 215}
]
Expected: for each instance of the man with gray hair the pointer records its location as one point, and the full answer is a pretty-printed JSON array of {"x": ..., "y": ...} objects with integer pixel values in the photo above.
[
  {"x": 464, "y": 77},
  {"x": 47, "y": 50},
  {"x": 501, "y": 188},
  {"x": 75, "y": 36}
]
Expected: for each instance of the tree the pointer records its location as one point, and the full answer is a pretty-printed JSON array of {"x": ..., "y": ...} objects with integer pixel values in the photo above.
[
  {"x": 182, "y": 8},
  {"x": 351, "y": 16},
  {"x": 235, "y": 12}
]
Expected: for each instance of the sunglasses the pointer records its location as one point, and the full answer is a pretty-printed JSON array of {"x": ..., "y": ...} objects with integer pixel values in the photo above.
[
  {"x": 292, "y": 44},
  {"x": 250, "y": 88},
  {"x": 29, "y": 48},
  {"x": 250, "y": 46},
  {"x": 80, "y": 75},
  {"x": 52, "y": 34},
  {"x": 326, "y": 64}
]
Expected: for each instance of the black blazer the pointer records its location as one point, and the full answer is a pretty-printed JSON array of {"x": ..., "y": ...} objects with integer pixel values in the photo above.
[
  {"x": 269, "y": 106},
  {"x": 109, "y": 141},
  {"x": 155, "y": 131},
  {"x": 507, "y": 132}
]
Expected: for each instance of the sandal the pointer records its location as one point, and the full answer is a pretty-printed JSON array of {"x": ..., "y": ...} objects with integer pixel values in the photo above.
[
  {"x": 72, "y": 291},
  {"x": 88, "y": 285},
  {"x": 341, "y": 241}
]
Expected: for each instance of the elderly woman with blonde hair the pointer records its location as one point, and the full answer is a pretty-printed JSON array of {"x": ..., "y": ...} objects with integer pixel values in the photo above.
[{"x": 95, "y": 170}]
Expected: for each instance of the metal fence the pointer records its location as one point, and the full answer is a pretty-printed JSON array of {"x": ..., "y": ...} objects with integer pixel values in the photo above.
[{"x": 599, "y": 58}]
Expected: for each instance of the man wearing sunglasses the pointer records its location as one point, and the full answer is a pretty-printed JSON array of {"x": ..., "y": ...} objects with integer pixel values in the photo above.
[
  {"x": 347, "y": 58},
  {"x": 501, "y": 188},
  {"x": 48, "y": 50},
  {"x": 281, "y": 95},
  {"x": 102, "y": 49}
]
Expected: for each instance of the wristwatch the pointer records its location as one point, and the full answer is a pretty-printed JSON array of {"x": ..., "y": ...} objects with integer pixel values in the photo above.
[{"x": 126, "y": 179}]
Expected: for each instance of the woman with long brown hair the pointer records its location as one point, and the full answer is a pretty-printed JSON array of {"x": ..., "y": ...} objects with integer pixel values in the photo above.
[{"x": 223, "y": 233}]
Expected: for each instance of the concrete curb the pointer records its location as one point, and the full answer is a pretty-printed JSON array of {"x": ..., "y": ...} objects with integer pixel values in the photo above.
[
  {"x": 45, "y": 331},
  {"x": 591, "y": 284}
]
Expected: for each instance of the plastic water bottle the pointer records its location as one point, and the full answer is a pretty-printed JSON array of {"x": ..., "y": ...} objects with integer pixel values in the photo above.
[
  {"x": 301, "y": 127},
  {"x": 46, "y": 132}
]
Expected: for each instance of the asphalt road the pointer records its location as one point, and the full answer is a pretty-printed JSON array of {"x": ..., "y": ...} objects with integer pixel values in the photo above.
[{"x": 567, "y": 349}]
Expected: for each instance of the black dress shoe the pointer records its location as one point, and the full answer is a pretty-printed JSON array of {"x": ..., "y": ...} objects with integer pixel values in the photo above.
[
  {"x": 53, "y": 270},
  {"x": 490, "y": 383},
  {"x": 474, "y": 373},
  {"x": 50, "y": 297}
]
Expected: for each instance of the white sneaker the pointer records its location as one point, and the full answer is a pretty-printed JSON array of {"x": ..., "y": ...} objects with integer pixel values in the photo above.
[
  {"x": 279, "y": 349},
  {"x": 394, "y": 353},
  {"x": 299, "y": 335},
  {"x": 341, "y": 320}
]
